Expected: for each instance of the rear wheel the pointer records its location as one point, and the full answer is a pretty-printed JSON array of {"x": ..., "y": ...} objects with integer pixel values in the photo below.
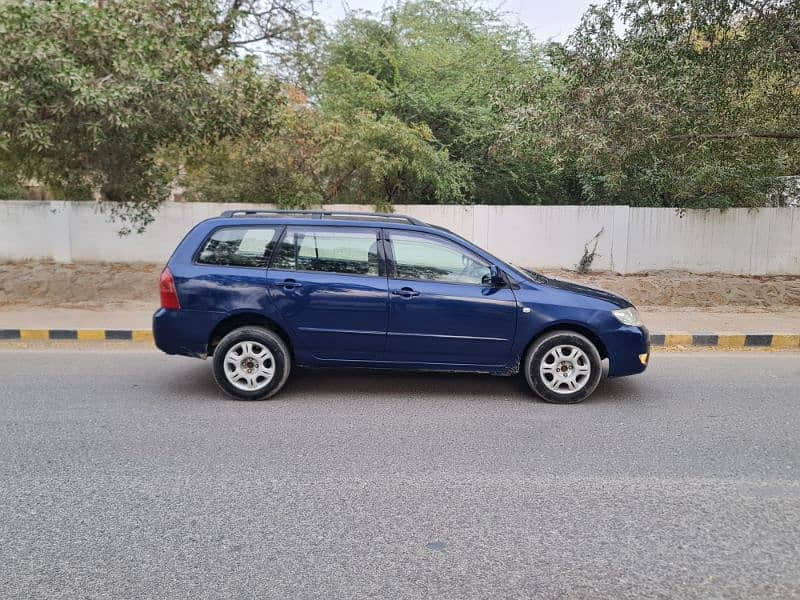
[
  {"x": 563, "y": 367},
  {"x": 251, "y": 363}
]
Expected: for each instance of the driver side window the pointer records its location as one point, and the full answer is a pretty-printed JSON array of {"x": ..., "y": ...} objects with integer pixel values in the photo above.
[{"x": 418, "y": 256}]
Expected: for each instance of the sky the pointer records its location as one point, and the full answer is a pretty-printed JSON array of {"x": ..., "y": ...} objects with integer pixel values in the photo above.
[{"x": 548, "y": 19}]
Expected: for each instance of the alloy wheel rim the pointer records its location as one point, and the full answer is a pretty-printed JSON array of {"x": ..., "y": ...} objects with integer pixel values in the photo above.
[
  {"x": 565, "y": 369},
  {"x": 249, "y": 366}
]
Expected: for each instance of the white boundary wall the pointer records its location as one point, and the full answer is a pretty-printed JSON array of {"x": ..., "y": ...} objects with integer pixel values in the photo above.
[{"x": 738, "y": 241}]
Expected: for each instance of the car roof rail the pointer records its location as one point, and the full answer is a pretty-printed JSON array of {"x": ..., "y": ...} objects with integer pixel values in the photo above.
[{"x": 323, "y": 214}]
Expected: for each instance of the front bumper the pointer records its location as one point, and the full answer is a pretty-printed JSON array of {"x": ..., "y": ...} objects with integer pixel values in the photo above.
[{"x": 625, "y": 347}]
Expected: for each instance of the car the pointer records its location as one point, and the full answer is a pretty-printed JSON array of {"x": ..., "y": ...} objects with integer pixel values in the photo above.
[{"x": 263, "y": 291}]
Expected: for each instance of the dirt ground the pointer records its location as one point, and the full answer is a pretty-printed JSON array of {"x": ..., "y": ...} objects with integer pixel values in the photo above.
[
  {"x": 105, "y": 286},
  {"x": 671, "y": 290}
]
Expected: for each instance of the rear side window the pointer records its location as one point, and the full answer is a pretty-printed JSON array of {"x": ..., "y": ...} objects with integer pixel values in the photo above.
[
  {"x": 328, "y": 250},
  {"x": 239, "y": 247}
]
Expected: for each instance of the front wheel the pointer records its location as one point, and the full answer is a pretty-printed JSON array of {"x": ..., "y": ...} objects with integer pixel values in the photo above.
[
  {"x": 251, "y": 363},
  {"x": 563, "y": 367}
]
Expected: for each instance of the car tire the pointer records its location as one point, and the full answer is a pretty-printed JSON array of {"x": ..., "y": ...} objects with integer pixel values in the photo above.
[
  {"x": 563, "y": 367},
  {"x": 251, "y": 363}
]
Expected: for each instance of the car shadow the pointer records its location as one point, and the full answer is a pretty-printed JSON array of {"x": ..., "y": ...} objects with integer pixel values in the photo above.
[
  {"x": 388, "y": 384},
  {"x": 195, "y": 380}
]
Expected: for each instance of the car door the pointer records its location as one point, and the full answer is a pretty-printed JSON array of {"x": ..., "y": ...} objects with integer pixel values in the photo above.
[
  {"x": 329, "y": 284},
  {"x": 443, "y": 309}
]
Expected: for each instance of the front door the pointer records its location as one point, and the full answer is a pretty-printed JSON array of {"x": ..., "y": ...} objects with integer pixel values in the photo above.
[
  {"x": 443, "y": 309},
  {"x": 330, "y": 287}
]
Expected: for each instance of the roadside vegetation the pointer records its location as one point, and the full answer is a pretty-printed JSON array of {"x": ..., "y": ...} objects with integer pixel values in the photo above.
[{"x": 677, "y": 103}]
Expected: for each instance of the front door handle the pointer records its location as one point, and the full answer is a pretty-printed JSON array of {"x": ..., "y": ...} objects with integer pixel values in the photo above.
[
  {"x": 405, "y": 292},
  {"x": 289, "y": 284}
]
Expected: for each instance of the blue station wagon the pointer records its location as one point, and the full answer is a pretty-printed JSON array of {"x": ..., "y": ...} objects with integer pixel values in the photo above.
[{"x": 262, "y": 291}]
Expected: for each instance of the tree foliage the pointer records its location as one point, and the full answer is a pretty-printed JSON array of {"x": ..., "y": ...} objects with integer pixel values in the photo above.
[
  {"x": 9, "y": 187},
  {"x": 685, "y": 103},
  {"x": 445, "y": 65},
  {"x": 314, "y": 156},
  {"x": 90, "y": 92},
  {"x": 695, "y": 104},
  {"x": 401, "y": 110}
]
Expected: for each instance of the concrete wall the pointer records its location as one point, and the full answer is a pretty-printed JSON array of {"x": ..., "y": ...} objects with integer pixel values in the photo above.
[
  {"x": 739, "y": 241},
  {"x": 746, "y": 242}
]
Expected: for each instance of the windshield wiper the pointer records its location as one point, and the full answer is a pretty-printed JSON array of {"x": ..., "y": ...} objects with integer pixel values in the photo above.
[{"x": 537, "y": 277}]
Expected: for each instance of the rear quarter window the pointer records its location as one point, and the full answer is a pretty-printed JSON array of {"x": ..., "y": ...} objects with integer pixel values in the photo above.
[{"x": 239, "y": 247}]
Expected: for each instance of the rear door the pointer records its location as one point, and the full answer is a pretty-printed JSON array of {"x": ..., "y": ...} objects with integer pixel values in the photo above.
[
  {"x": 329, "y": 284},
  {"x": 443, "y": 309}
]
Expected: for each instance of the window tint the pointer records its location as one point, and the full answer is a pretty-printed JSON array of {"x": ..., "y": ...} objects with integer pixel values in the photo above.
[
  {"x": 349, "y": 251},
  {"x": 419, "y": 256},
  {"x": 239, "y": 247}
]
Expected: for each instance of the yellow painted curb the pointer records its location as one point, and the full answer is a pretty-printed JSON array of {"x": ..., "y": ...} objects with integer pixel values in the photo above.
[
  {"x": 94, "y": 335},
  {"x": 34, "y": 334},
  {"x": 730, "y": 340},
  {"x": 785, "y": 341},
  {"x": 142, "y": 335},
  {"x": 677, "y": 339}
]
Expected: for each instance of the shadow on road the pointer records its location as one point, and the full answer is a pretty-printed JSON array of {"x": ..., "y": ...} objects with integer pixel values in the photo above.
[{"x": 196, "y": 379}]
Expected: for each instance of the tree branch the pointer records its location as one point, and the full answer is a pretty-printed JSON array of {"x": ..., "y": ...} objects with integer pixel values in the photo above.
[{"x": 229, "y": 22}]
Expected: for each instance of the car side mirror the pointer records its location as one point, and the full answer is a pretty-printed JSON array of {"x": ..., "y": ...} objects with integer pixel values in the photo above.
[{"x": 495, "y": 278}]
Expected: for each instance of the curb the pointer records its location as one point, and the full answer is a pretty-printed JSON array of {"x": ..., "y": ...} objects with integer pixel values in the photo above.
[
  {"x": 86, "y": 335},
  {"x": 727, "y": 340}
]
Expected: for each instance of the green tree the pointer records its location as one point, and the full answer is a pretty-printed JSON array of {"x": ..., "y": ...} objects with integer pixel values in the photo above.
[
  {"x": 694, "y": 104},
  {"x": 420, "y": 131},
  {"x": 312, "y": 157},
  {"x": 10, "y": 189},
  {"x": 92, "y": 92},
  {"x": 443, "y": 65}
]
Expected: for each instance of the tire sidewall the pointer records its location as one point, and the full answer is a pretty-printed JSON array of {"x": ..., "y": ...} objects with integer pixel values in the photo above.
[
  {"x": 538, "y": 351},
  {"x": 273, "y": 342}
]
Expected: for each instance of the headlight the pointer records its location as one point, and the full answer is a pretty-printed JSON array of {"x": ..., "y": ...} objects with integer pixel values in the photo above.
[{"x": 628, "y": 316}]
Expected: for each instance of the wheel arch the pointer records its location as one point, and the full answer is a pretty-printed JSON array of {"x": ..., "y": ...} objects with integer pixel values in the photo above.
[
  {"x": 234, "y": 321},
  {"x": 574, "y": 327}
]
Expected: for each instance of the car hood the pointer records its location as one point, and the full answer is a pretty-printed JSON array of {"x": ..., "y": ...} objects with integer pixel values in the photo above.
[
  {"x": 577, "y": 288},
  {"x": 585, "y": 290}
]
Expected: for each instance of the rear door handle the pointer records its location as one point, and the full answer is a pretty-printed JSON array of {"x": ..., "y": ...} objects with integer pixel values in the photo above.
[
  {"x": 289, "y": 284},
  {"x": 405, "y": 292}
]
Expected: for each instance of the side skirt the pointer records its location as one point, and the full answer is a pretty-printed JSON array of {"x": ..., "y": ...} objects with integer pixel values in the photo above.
[{"x": 501, "y": 370}]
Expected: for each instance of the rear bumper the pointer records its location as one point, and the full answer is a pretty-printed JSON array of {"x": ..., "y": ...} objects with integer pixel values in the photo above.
[
  {"x": 625, "y": 347},
  {"x": 184, "y": 332}
]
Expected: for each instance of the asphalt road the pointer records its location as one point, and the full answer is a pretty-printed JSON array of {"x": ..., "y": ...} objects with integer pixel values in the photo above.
[{"x": 128, "y": 475}]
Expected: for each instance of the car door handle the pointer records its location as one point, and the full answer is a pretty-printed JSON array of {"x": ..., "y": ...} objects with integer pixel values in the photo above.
[
  {"x": 289, "y": 284},
  {"x": 405, "y": 292}
]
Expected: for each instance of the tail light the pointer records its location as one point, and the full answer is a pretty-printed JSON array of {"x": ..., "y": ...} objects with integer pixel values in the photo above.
[{"x": 169, "y": 295}]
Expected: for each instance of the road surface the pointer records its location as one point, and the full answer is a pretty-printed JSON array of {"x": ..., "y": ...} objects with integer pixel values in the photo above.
[{"x": 127, "y": 475}]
